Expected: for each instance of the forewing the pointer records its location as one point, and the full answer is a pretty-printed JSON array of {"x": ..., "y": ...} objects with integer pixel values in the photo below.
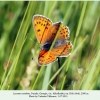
[
  {"x": 42, "y": 27},
  {"x": 63, "y": 31}
]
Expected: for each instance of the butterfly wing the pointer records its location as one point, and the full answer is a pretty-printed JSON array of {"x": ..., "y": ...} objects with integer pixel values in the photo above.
[
  {"x": 42, "y": 27},
  {"x": 46, "y": 57},
  {"x": 45, "y": 31},
  {"x": 62, "y": 50},
  {"x": 63, "y": 31}
]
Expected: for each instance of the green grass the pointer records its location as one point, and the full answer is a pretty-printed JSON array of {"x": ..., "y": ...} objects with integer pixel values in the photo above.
[{"x": 79, "y": 71}]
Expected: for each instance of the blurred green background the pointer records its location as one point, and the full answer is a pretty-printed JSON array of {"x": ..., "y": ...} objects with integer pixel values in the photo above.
[{"x": 19, "y": 69}]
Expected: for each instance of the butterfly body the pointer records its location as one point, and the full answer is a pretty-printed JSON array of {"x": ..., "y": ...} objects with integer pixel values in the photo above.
[
  {"x": 46, "y": 46},
  {"x": 46, "y": 32}
]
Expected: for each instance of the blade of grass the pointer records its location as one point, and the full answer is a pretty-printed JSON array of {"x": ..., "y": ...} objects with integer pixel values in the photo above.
[
  {"x": 67, "y": 13},
  {"x": 52, "y": 8},
  {"x": 88, "y": 80},
  {"x": 77, "y": 33},
  {"x": 48, "y": 69},
  {"x": 46, "y": 77},
  {"x": 4, "y": 75},
  {"x": 53, "y": 77},
  {"x": 3, "y": 78},
  {"x": 95, "y": 33},
  {"x": 72, "y": 54},
  {"x": 22, "y": 30},
  {"x": 12, "y": 69}
]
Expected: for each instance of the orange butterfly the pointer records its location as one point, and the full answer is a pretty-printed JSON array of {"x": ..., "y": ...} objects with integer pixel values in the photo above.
[{"x": 46, "y": 32}]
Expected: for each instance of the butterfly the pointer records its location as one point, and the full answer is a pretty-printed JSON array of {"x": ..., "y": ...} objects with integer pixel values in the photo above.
[{"x": 46, "y": 32}]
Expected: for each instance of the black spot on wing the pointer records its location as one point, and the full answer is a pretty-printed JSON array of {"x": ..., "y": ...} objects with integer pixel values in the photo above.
[
  {"x": 46, "y": 27},
  {"x": 38, "y": 30}
]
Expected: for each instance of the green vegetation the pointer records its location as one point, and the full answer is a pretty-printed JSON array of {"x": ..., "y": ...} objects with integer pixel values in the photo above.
[{"x": 79, "y": 71}]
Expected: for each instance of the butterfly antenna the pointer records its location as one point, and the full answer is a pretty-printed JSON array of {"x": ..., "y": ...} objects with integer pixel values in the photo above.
[
  {"x": 57, "y": 79},
  {"x": 31, "y": 40}
]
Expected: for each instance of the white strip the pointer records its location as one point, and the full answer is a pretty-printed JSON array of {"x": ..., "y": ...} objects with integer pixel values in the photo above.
[{"x": 49, "y": 95}]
